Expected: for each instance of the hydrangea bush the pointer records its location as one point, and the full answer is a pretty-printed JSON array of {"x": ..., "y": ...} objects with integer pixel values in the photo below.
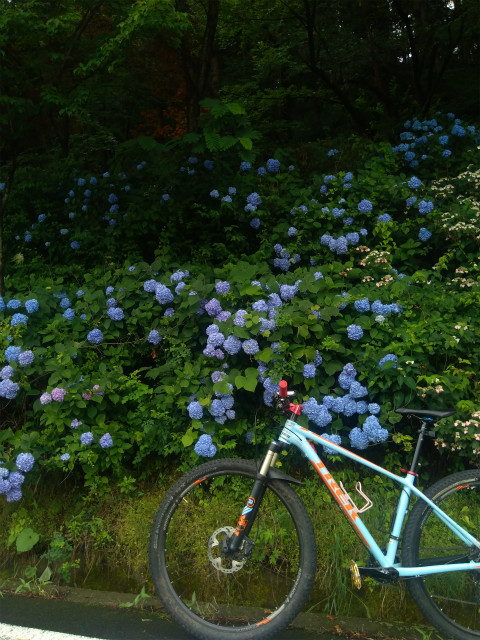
[{"x": 359, "y": 288}]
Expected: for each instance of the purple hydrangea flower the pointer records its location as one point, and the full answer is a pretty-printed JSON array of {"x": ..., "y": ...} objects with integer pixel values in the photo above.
[
  {"x": 232, "y": 345},
  {"x": 250, "y": 347},
  {"x": 222, "y": 287},
  {"x": 106, "y": 441},
  {"x": 86, "y": 438},
  {"x": 26, "y": 358},
  {"x": 58, "y": 394},
  {"x": 75, "y": 423},
  {"x": 213, "y": 307},
  {"x": 45, "y": 398}
]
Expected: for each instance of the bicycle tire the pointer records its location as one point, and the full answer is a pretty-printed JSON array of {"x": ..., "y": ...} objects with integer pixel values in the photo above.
[
  {"x": 272, "y": 586},
  {"x": 450, "y": 601}
]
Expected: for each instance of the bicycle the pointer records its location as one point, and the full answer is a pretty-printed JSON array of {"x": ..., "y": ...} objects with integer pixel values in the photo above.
[{"x": 246, "y": 573}]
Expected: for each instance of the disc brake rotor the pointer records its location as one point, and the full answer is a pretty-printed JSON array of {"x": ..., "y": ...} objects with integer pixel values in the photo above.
[{"x": 221, "y": 562}]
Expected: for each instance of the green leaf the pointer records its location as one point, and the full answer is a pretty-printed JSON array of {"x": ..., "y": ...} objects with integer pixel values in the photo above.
[{"x": 26, "y": 540}]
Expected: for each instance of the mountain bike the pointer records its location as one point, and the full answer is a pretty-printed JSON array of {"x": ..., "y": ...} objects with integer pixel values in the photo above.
[{"x": 232, "y": 548}]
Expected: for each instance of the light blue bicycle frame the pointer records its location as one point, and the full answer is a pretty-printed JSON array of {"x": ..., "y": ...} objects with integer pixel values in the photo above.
[{"x": 298, "y": 436}]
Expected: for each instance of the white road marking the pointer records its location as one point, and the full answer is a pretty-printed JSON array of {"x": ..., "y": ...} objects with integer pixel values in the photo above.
[{"x": 11, "y": 632}]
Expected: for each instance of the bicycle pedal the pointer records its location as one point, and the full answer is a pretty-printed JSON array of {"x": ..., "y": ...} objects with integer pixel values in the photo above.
[{"x": 356, "y": 578}]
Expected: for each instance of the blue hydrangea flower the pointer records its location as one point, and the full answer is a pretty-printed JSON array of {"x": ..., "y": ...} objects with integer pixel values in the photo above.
[
  {"x": 447, "y": 153},
  {"x": 254, "y": 199},
  {"x": 214, "y": 193},
  {"x": 384, "y": 217},
  {"x": 217, "y": 408},
  {"x": 250, "y": 347},
  {"x": 195, "y": 410},
  {"x": 205, "y": 447},
  {"x": 414, "y": 182},
  {"x": 292, "y": 231},
  {"x": 309, "y": 371},
  {"x": 65, "y": 457},
  {"x": 390, "y": 357},
  {"x": 374, "y": 430},
  {"x": 26, "y": 358},
  {"x": 261, "y": 171},
  {"x": 8, "y": 389},
  {"x": 232, "y": 345},
  {"x": 106, "y": 441},
  {"x": 374, "y": 408},
  {"x": 16, "y": 478},
  {"x": 115, "y": 313},
  {"x": 216, "y": 339},
  {"x": 163, "y": 294},
  {"x": 18, "y": 318},
  {"x": 154, "y": 337},
  {"x": 424, "y": 234},
  {"x": 14, "y": 304},
  {"x": 260, "y": 306},
  {"x": 273, "y": 166},
  {"x": 25, "y": 462},
  {"x": 150, "y": 286},
  {"x": 32, "y": 305},
  {"x": 357, "y": 390},
  {"x": 358, "y": 438},
  {"x": 255, "y": 223},
  {"x": 169, "y": 313},
  {"x": 86, "y": 438},
  {"x": 11, "y": 353},
  {"x": 245, "y": 166},
  {"x": 333, "y": 437},
  {"x": 239, "y": 319},
  {"x": 458, "y": 130},
  {"x": 65, "y": 303},
  {"x": 95, "y": 336},
  {"x": 425, "y": 206},
  {"x": 68, "y": 314},
  {"x": 222, "y": 287},
  {"x": 365, "y": 206},
  {"x": 354, "y": 332},
  {"x": 213, "y": 307},
  {"x": 6, "y": 372}
]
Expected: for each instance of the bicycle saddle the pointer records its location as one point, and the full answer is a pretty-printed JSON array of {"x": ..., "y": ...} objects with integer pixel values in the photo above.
[{"x": 428, "y": 414}]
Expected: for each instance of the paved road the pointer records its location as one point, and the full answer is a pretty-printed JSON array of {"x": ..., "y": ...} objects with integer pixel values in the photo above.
[{"x": 24, "y": 618}]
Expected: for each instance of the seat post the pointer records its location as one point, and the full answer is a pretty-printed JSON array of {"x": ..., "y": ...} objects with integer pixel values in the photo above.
[{"x": 418, "y": 448}]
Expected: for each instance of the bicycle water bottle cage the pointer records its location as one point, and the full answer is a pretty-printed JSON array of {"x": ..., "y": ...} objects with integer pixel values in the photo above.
[{"x": 358, "y": 489}]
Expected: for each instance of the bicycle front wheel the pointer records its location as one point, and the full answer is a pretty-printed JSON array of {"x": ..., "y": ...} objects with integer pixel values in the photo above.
[
  {"x": 215, "y": 597},
  {"x": 450, "y": 601}
]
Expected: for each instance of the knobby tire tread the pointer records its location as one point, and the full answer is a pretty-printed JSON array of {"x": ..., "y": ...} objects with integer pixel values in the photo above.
[
  {"x": 416, "y": 522},
  {"x": 196, "y": 625}
]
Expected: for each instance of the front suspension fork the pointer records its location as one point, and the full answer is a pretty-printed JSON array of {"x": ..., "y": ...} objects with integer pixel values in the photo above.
[{"x": 252, "y": 505}]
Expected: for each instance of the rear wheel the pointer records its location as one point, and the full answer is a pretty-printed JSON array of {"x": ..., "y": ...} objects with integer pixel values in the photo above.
[
  {"x": 450, "y": 601},
  {"x": 213, "y": 596}
]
